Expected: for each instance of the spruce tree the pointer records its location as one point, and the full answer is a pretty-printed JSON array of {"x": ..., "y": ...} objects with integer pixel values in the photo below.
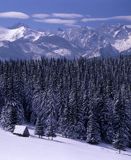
[
  {"x": 8, "y": 118},
  {"x": 39, "y": 128},
  {"x": 93, "y": 128},
  {"x": 51, "y": 119},
  {"x": 120, "y": 140},
  {"x": 105, "y": 119}
]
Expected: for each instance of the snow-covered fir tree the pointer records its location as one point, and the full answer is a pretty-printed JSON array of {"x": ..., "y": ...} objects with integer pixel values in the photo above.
[
  {"x": 51, "y": 119},
  {"x": 39, "y": 127},
  {"x": 93, "y": 128},
  {"x": 120, "y": 140},
  {"x": 12, "y": 113},
  {"x": 8, "y": 117}
]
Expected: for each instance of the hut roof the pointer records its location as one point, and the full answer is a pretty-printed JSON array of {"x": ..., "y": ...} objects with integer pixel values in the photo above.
[{"x": 19, "y": 129}]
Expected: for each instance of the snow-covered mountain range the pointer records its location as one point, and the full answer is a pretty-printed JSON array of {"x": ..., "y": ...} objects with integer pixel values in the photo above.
[{"x": 23, "y": 42}]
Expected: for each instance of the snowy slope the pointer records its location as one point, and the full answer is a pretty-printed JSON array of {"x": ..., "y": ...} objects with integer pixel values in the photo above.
[
  {"x": 122, "y": 45},
  {"x": 18, "y": 148},
  {"x": 11, "y": 34}
]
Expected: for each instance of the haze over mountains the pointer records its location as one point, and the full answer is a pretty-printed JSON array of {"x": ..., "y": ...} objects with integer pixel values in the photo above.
[{"x": 22, "y": 42}]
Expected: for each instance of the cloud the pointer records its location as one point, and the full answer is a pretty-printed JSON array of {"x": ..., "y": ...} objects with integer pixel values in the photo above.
[
  {"x": 93, "y": 19},
  {"x": 69, "y": 19},
  {"x": 15, "y": 15},
  {"x": 67, "y": 15},
  {"x": 41, "y": 15},
  {"x": 126, "y": 18},
  {"x": 57, "y": 21},
  {"x": 58, "y": 15}
]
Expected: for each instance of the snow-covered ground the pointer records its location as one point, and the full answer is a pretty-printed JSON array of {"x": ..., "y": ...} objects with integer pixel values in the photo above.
[{"x": 13, "y": 147}]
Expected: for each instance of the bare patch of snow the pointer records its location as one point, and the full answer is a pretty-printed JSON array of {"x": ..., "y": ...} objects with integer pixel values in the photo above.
[
  {"x": 63, "y": 52},
  {"x": 123, "y": 45},
  {"x": 11, "y": 34},
  {"x": 19, "y": 148},
  {"x": 128, "y": 26},
  {"x": 115, "y": 34}
]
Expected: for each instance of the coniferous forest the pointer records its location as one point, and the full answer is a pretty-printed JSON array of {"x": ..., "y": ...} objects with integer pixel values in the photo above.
[{"x": 85, "y": 99}]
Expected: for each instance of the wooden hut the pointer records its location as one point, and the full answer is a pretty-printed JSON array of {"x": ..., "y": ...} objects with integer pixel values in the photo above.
[{"x": 21, "y": 131}]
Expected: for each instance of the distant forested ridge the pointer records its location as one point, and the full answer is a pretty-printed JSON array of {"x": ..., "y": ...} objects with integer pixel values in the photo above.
[{"x": 86, "y": 99}]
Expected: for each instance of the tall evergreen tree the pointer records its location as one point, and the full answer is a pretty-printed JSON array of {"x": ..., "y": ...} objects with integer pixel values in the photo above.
[
  {"x": 8, "y": 118},
  {"x": 51, "y": 119},
  {"x": 93, "y": 128},
  {"x": 39, "y": 127},
  {"x": 120, "y": 124}
]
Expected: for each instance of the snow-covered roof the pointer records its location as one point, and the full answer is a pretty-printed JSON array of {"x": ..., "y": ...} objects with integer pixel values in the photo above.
[{"x": 19, "y": 129}]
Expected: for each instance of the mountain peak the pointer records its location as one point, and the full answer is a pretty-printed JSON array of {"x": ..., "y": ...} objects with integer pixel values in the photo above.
[{"x": 19, "y": 25}]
